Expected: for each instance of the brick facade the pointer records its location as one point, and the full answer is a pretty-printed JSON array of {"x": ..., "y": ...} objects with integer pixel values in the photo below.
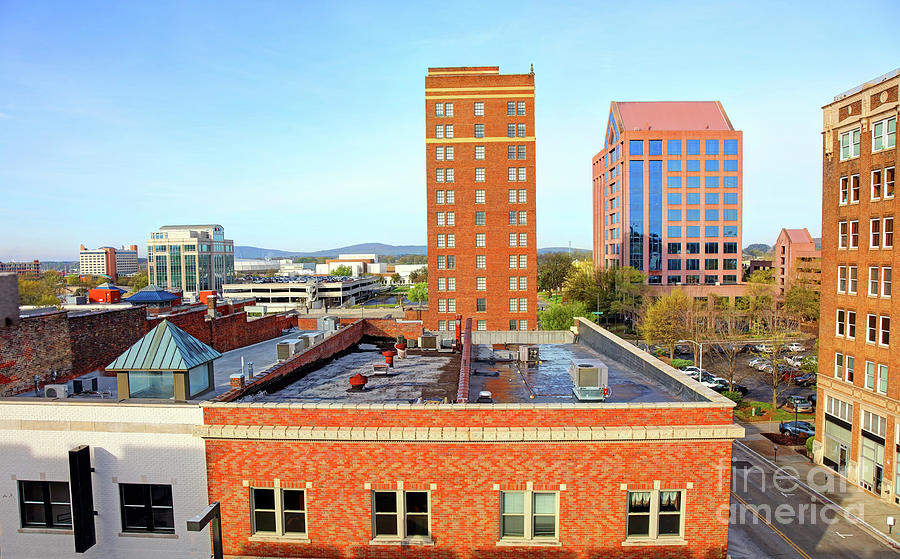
[
  {"x": 858, "y": 109},
  {"x": 463, "y": 88}
]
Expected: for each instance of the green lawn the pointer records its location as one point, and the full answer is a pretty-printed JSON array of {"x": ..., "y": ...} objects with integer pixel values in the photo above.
[{"x": 743, "y": 413}]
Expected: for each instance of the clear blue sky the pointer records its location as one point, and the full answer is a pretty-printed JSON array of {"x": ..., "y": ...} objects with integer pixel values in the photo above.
[{"x": 299, "y": 126}]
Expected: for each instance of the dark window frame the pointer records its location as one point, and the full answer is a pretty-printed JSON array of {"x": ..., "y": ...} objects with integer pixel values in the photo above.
[
  {"x": 48, "y": 506},
  {"x": 147, "y": 490}
]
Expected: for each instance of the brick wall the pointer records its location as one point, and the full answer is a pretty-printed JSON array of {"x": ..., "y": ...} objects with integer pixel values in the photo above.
[
  {"x": 98, "y": 338},
  {"x": 36, "y": 346},
  {"x": 230, "y": 331},
  {"x": 464, "y": 481}
]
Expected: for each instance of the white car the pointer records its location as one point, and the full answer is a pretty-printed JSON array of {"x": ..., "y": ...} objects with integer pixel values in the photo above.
[
  {"x": 763, "y": 348},
  {"x": 795, "y": 347},
  {"x": 793, "y": 361}
]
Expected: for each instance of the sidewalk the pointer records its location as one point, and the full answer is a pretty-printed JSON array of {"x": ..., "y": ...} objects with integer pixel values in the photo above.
[{"x": 850, "y": 497}]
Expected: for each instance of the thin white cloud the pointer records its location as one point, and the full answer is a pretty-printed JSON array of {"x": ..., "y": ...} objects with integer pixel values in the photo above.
[{"x": 4, "y": 115}]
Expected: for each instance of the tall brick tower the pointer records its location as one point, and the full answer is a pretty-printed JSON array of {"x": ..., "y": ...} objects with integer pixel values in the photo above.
[{"x": 480, "y": 177}]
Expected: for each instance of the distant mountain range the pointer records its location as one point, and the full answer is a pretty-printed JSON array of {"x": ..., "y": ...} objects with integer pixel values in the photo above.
[{"x": 248, "y": 252}]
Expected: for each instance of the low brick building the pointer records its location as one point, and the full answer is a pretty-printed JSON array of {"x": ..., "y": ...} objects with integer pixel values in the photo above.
[{"x": 305, "y": 466}]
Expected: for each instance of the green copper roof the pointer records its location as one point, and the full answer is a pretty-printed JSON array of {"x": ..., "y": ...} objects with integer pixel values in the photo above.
[{"x": 165, "y": 348}]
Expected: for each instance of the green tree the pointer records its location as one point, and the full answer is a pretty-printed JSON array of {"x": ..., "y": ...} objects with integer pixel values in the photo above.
[
  {"x": 802, "y": 302},
  {"x": 419, "y": 276},
  {"x": 562, "y": 316},
  {"x": 625, "y": 287},
  {"x": 582, "y": 284},
  {"x": 41, "y": 290},
  {"x": 342, "y": 270},
  {"x": 139, "y": 281},
  {"x": 395, "y": 278},
  {"x": 667, "y": 320},
  {"x": 418, "y": 293},
  {"x": 552, "y": 270}
]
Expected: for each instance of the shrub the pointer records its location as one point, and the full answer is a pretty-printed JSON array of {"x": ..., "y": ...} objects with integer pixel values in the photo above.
[
  {"x": 733, "y": 395},
  {"x": 681, "y": 363},
  {"x": 809, "y": 445}
]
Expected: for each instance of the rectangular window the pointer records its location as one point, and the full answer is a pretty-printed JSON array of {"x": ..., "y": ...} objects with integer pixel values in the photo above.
[
  {"x": 528, "y": 514},
  {"x": 884, "y": 134},
  {"x": 480, "y": 262},
  {"x": 712, "y": 182},
  {"x": 441, "y": 218},
  {"x": 875, "y": 233},
  {"x": 712, "y": 147},
  {"x": 522, "y": 152},
  {"x": 479, "y": 108},
  {"x": 886, "y": 277},
  {"x": 511, "y": 108},
  {"x": 674, "y": 215},
  {"x": 523, "y": 239},
  {"x": 449, "y": 151},
  {"x": 479, "y": 130},
  {"x": 854, "y": 234},
  {"x": 854, "y": 188},
  {"x": 841, "y": 323},
  {"x": 884, "y": 329},
  {"x": 512, "y": 218},
  {"x": 843, "y": 234},
  {"x": 510, "y": 152},
  {"x": 511, "y": 130},
  {"x": 522, "y": 176},
  {"x": 729, "y": 248},
  {"x": 451, "y": 218},
  {"x": 513, "y": 305},
  {"x": 448, "y": 130},
  {"x": 882, "y": 378},
  {"x": 874, "y": 281},
  {"x": 522, "y": 196},
  {"x": 730, "y": 215},
  {"x": 439, "y": 153},
  {"x": 854, "y": 280},
  {"x": 874, "y": 423},
  {"x": 451, "y": 305},
  {"x": 730, "y": 182},
  {"x": 523, "y": 283},
  {"x": 451, "y": 284},
  {"x": 521, "y": 130},
  {"x": 844, "y": 191},
  {"x": 481, "y": 325},
  {"x": 712, "y": 215},
  {"x": 731, "y": 166},
  {"x": 674, "y": 231},
  {"x": 849, "y": 363},
  {"x": 402, "y": 514},
  {"x": 450, "y": 196},
  {"x": 439, "y": 131},
  {"x": 520, "y": 108},
  {"x": 513, "y": 284},
  {"x": 673, "y": 182},
  {"x": 442, "y": 325},
  {"x": 448, "y": 109},
  {"x": 674, "y": 198},
  {"x": 875, "y": 184},
  {"x": 442, "y": 305},
  {"x": 711, "y": 264},
  {"x": 480, "y": 284},
  {"x": 479, "y": 196},
  {"x": 450, "y": 175},
  {"x": 870, "y": 375},
  {"x": 693, "y": 182},
  {"x": 479, "y": 239},
  {"x": 850, "y": 144},
  {"x": 451, "y": 241},
  {"x": 654, "y": 514},
  {"x": 146, "y": 508},
  {"x": 673, "y": 147},
  {"x": 45, "y": 504},
  {"x": 655, "y": 147},
  {"x": 674, "y": 264},
  {"x": 511, "y": 174},
  {"x": 693, "y": 166},
  {"x": 872, "y": 332},
  {"x": 712, "y": 198},
  {"x": 442, "y": 284},
  {"x": 523, "y": 218},
  {"x": 439, "y": 197},
  {"x": 439, "y": 175},
  {"x": 636, "y": 147},
  {"x": 523, "y": 305},
  {"x": 839, "y": 365},
  {"x": 481, "y": 305},
  {"x": 842, "y": 279},
  {"x": 479, "y": 174},
  {"x": 441, "y": 241},
  {"x": 451, "y": 262},
  {"x": 888, "y": 233},
  {"x": 479, "y": 218},
  {"x": 523, "y": 261},
  {"x": 438, "y": 109},
  {"x": 851, "y": 325},
  {"x": 693, "y": 147},
  {"x": 889, "y": 182},
  {"x": 674, "y": 248},
  {"x": 731, "y": 147},
  {"x": 442, "y": 262},
  {"x": 712, "y": 166}
]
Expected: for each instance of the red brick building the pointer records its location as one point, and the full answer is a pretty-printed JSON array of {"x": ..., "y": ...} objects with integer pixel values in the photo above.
[
  {"x": 22, "y": 268},
  {"x": 480, "y": 177},
  {"x": 858, "y": 415},
  {"x": 537, "y": 473},
  {"x": 667, "y": 191},
  {"x": 796, "y": 258}
]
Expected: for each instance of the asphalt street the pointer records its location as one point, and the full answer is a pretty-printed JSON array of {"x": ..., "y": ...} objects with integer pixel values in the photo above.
[{"x": 772, "y": 516}]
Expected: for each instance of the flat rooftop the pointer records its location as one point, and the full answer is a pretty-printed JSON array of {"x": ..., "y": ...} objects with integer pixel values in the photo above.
[{"x": 431, "y": 376}]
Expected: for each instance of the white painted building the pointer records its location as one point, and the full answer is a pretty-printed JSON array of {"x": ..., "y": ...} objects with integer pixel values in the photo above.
[{"x": 143, "y": 454}]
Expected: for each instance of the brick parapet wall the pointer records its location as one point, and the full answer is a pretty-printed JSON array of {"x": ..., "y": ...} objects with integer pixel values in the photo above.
[
  {"x": 98, "y": 338},
  {"x": 35, "y": 346}
]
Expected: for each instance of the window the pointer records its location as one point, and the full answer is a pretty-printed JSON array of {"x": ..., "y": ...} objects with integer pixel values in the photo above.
[
  {"x": 510, "y": 152},
  {"x": 442, "y": 305},
  {"x": 839, "y": 409},
  {"x": 636, "y": 147},
  {"x": 479, "y": 174},
  {"x": 730, "y": 182},
  {"x": 843, "y": 236},
  {"x": 522, "y": 152},
  {"x": 712, "y": 198},
  {"x": 438, "y": 109},
  {"x": 440, "y": 197},
  {"x": 520, "y": 108},
  {"x": 849, "y": 362},
  {"x": 674, "y": 215},
  {"x": 674, "y": 248},
  {"x": 655, "y": 147},
  {"x": 479, "y": 218},
  {"x": 875, "y": 184},
  {"x": 528, "y": 514},
  {"x": 523, "y": 325},
  {"x": 439, "y": 153},
  {"x": 874, "y": 281},
  {"x": 850, "y": 144},
  {"x": 521, "y": 174},
  {"x": 731, "y": 165},
  {"x": 872, "y": 333},
  {"x": 884, "y": 134},
  {"x": 146, "y": 508},
  {"x": 451, "y": 262},
  {"x": 711, "y": 248},
  {"x": 481, "y": 325},
  {"x": 449, "y": 151},
  {"x": 451, "y": 241},
  {"x": 693, "y": 166},
  {"x": 523, "y": 218},
  {"x": 674, "y": 264},
  {"x": 521, "y": 130},
  {"x": 841, "y": 323},
  {"x": 712, "y": 147},
  {"x": 451, "y": 305},
  {"x": 523, "y": 283},
  {"x": 886, "y": 277},
  {"x": 693, "y": 198},
  {"x": 842, "y": 279},
  {"x": 481, "y": 305},
  {"x": 674, "y": 198},
  {"x": 511, "y": 108},
  {"x": 870, "y": 375},
  {"x": 479, "y": 130},
  {"x": 712, "y": 215},
  {"x": 441, "y": 241},
  {"x": 511, "y": 174},
  {"x": 441, "y": 262},
  {"x": 884, "y": 331},
  {"x": 510, "y": 130},
  {"x": 889, "y": 182},
  {"x": 481, "y": 284},
  {"x": 854, "y": 188},
  {"x": 401, "y": 514},
  {"x": 513, "y": 283},
  {"x": 480, "y": 262},
  {"x": 522, "y": 196},
  {"x": 875, "y": 233},
  {"x": 479, "y": 108},
  {"x": 448, "y": 130},
  {"x": 479, "y": 196},
  {"x": 731, "y": 147},
  {"x": 844, "y": 196},
  {"x": 654, "y": 514},
  {"x": 693, "y": 147},
  {"x": 851, "y": 325},
  {"x": 479, "y": 239},
  {"x": 451, "y": 218},
  {"x": 712, "y": 165},
  {"x": 523, "y": 261},
  {"x": 448, "y": 109},
  {"x": 693, "y": 248},
  {"x": 479, "y": 153},
  {"x": 442, "y": 284},
  {"x": 674, "y": 231},
  {"x": 439, "y": 175},
  {"x": 450, "y": 196},
  {"x": 442, "y": 325},
  {"x": 512, "y": 325},
  {"x": 523, "y": 239},
  {"x": 888, "y": 232},
  {"x": 441, "y": 218},
  {"x": 45, "y": 504},
  {"x": 854, "y": 279},
  {"x": 711, "y": 264},
  {"x": 874, "y": 423},
  {"x": 729, "y": 248},
  {"x": 712, "y": 182},
  {"x": 839, "y": 365},
  {"x": 674, "y": 147},
  {"x": 854, "y": 234},
  {"x": 451, "y": 284},
  {"x": 439, "y": 131},
  {"x": 882, "y": 378},
  {"x": 513, "y": 305},
  {"x": 449, "y": 175},
  {"x": 674, "y": 182}
]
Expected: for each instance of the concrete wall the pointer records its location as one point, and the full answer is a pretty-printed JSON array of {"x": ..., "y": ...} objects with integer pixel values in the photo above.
[
  {"x": 129, "y": 444},
  {"x": 602, "y": 341}
]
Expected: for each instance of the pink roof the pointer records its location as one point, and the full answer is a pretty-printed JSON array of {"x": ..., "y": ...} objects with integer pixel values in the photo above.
[
  {"x": 799, "y": 235},
  {"x": 673, "y": 115}
]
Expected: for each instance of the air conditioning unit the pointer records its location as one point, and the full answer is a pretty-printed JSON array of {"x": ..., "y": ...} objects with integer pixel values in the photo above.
[
  {"x": 56, "y": 391},
  {"x": 590, "y": 379}
]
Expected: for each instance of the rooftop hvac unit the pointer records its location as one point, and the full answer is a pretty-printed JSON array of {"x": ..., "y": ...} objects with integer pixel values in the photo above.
[
  {"x": 590, "y": 379},
  {"x": 287, "y": 349},
  {"x": 56, "y": 391},
  {"x": 80, "y": 385},
  {"x": 528, "y": 354},
  {"x": 428, "y": 342}
]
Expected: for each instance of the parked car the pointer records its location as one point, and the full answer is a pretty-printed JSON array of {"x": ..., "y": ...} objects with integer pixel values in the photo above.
[
  {"x": 761, "y": 364},
  {"x": 807, "y": 379},
  {"x": 795, "y": 347},
  {"x": 684, "y": 349},
  {"x": 763, "y": 348},
  {"x": 799, "y": 404},
  {"x": 788, "y": 373},
  {"x": 794, "y": 361},
  {"x": 707, "y": 380},
  {"x": 797, "y": 428},
  {"x": 755, "y": 361}
]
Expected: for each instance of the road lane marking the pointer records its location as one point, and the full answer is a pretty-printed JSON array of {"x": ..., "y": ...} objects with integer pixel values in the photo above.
[
  {"x": 843, "y": 536},
  {"x": 790, "y": 542}
]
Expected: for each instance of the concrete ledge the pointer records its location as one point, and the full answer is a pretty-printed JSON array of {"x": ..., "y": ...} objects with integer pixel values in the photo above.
[
  {"x": 472, "y": 434},
  {"x": 100, "y": 426}
]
